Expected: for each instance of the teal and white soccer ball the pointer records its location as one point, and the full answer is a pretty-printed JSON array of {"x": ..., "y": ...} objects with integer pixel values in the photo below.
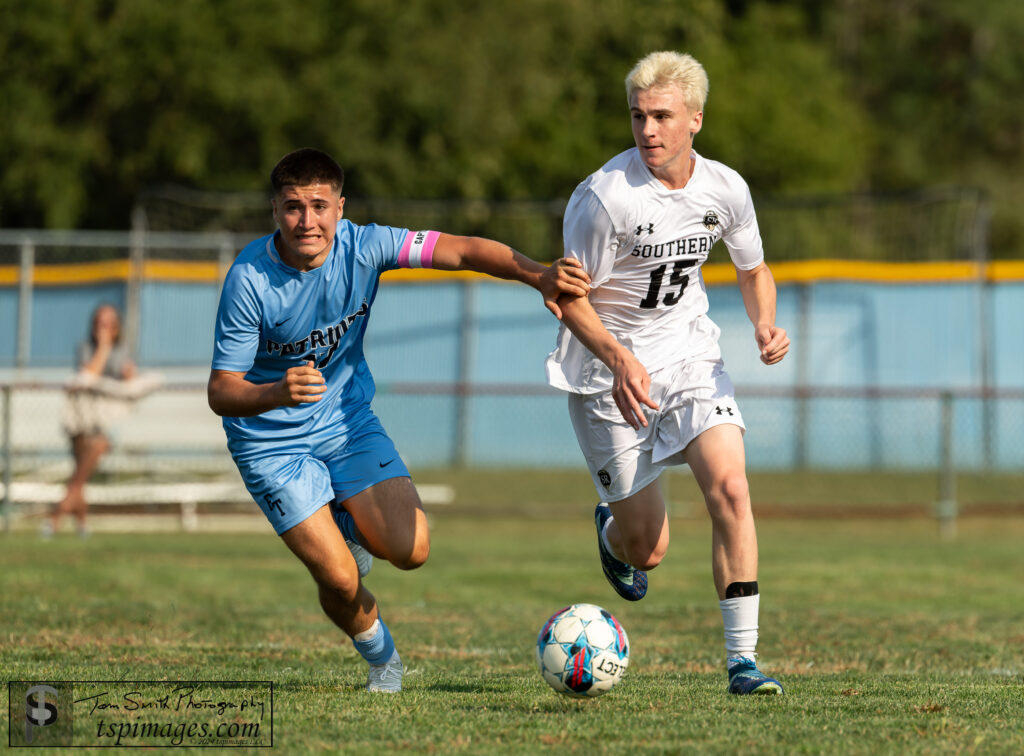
[{"x": 582, "y": 651}]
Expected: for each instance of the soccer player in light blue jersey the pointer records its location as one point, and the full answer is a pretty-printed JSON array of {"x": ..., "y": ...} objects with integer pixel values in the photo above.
[{"x": 291, "y": 382}]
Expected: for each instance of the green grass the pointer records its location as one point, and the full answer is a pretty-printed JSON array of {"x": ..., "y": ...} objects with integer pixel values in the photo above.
[
  {"x": 888, "y": 638},
  {"x": 812, "y": 493}
]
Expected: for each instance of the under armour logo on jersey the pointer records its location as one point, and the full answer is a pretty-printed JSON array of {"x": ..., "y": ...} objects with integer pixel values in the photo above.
[
  {"x": 640, "y": 228},
  {"x": 723, "y": 410}
]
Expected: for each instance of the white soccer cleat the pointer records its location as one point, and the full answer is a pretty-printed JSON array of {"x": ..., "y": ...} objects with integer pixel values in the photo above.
[{"x": 386, "y": 677}]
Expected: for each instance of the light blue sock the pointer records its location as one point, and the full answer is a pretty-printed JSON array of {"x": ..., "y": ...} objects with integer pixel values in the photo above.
[
  {"x": 347, "y": 526},
  {"x": 378, "y": 647}
]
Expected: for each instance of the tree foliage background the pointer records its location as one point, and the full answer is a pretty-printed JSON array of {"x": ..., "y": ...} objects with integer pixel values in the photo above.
[{"x": 492, "y": 100}]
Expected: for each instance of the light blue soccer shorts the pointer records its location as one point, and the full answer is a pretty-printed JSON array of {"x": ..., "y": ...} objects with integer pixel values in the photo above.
[{"x": 291, "y": 482}]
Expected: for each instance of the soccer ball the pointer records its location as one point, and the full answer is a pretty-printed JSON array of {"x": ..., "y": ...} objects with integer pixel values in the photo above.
[{"x": 582, "y": 651}]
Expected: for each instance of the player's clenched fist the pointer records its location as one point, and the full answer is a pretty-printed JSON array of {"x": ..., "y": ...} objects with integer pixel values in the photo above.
[
  {"x": 563, "y": 276},
  {"x": 302, "y": 385},
  {"x": 773, "y": 343}
]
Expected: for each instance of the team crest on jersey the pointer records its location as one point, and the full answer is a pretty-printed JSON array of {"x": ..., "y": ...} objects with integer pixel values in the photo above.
[{"x": 710, "y": 220}]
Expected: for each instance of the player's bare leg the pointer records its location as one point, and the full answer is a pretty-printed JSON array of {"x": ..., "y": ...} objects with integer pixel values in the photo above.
[
  {"x": 319, "y": 544},
  {"x": 391, "y": 522},
  {"x": 718, "y": 462},
  {"x": 638, "y": 534},
  {"x": 632, "y": 537}
]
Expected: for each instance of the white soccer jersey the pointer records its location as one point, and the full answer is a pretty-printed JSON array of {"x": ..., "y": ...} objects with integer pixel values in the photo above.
[{"x": 643, "y": 245}]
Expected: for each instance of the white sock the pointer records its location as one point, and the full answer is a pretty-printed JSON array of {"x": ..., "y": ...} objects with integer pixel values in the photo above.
[
  {"x": 604, "y": 539},
  {"x": 739, "y": 616},
  {"x": 369, "y": 632}
]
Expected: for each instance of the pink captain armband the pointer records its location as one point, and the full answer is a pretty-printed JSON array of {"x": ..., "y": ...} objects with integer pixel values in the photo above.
[{"x": 418, "y": 249}]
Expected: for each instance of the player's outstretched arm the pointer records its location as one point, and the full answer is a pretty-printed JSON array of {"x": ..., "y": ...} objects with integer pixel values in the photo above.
[
  {"x": 564, "y": 277},
  {"x": 758, "y": 289},
  {"x": 631, "y": 382},
  {"x": 231, "y": 395}
]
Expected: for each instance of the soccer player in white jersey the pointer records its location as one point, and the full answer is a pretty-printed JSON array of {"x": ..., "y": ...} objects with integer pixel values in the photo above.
[
  {"x": 293, "y": 387},
  {"x": 640, "y": 356}
]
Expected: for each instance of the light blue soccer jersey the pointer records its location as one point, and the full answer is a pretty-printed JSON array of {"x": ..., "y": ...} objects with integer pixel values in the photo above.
[{"x": 273, "y": 317}]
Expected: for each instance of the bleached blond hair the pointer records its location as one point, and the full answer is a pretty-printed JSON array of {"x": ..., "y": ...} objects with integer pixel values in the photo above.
[{"x": 660, "y": 69}]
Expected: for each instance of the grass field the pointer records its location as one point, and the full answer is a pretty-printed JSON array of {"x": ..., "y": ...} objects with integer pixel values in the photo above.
[
  {"x": 889, "y": 639},
  {"x": 813, "y": 493}
]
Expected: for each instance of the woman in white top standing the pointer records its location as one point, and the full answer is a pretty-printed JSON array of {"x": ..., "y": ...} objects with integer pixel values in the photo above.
[{"x": 92, "y": 406}]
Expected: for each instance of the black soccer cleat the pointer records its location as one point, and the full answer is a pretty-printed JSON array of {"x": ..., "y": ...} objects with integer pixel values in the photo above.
[{"x": 628, "y": 582}]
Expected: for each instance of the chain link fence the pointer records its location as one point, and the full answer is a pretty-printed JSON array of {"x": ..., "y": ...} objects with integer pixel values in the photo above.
[
  {"x": 165, "y": 276},
  {"x": 170, "y": 450},
  {"x": 945, "y": 223}
]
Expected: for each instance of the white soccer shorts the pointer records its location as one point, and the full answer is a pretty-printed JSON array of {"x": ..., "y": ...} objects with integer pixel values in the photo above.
[{"x": 692, "y": 397}]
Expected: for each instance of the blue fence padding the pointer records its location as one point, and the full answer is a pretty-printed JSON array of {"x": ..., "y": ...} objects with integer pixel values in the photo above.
[
  {"x": 1006, "y": 323},
  {"x": 422, "y": 426},
  {"x": 61, "y": 318},
  {"x": 413, "y": 333},
  {"x": 8, "y": 334},
  {"x": 860, "y": 334},
  {"x": 739, "y": 349},
  {"x": 177, "y": 324}
]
